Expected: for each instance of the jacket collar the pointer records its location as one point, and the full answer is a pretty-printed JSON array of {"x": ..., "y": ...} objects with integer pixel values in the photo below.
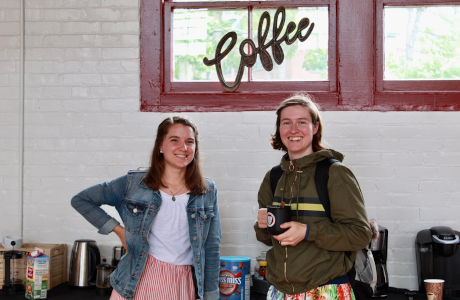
[
  {"x": 309, "y": 160},
  {"x": 143, "y": 185}
]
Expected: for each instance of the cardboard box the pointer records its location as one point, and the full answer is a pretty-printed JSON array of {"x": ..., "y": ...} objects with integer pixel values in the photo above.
[
  {"x": 57, "y": 254},
  {"x": 37, "y": 275}
]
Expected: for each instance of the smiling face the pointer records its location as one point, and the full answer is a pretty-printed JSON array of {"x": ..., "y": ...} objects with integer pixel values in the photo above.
[
  {"x": 178, "y": 146},
  {"x": 297, "y": 130}
]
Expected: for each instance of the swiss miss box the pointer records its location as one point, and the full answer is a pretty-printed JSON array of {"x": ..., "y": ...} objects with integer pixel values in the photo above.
[{"x": 235, "y": 278}]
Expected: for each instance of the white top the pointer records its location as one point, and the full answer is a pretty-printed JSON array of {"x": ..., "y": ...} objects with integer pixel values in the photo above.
[{"x": 169, "y": 237}]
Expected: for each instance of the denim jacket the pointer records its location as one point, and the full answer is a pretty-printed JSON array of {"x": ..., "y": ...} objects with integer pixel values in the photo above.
[{"x": 138, "y": 205}]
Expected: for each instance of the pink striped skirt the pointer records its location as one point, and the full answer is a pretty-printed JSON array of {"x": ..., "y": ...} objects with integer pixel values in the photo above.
[{"x": 163, "y": 281}]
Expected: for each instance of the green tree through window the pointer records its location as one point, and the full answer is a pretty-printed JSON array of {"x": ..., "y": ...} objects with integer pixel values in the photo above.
[
  {"x": 196, "y": 33},
  {"x": 431, "y": 49}
]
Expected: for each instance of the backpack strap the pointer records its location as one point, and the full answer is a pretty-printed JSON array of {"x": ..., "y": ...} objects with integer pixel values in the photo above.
[
  {"x": 321, "y": 179},
  {"x": 275, "y": 175}
]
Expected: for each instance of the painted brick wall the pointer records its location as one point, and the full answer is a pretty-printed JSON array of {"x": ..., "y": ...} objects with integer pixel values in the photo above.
[
  {"x": 83, "y": 126},
  {"x": 9, "y": 115}
]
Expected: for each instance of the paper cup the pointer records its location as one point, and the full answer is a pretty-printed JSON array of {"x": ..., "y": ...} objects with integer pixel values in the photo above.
[{"x": 434, "y": 288}]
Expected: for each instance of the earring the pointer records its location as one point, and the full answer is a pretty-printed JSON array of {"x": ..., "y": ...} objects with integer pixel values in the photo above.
[{"x": 161, "y": 151}]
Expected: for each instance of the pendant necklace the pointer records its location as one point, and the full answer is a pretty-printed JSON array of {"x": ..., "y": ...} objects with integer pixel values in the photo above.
[{"x": 174, "y": 195}]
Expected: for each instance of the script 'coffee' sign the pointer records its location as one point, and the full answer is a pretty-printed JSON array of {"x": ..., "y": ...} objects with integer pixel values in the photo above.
[{"x": 249, "y": 59}]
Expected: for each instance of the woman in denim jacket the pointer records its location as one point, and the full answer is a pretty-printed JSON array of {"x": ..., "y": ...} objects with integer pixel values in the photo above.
[{"x": 171, "y": 221}]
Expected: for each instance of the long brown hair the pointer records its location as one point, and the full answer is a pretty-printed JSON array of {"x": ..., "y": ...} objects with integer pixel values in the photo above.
[
  {"x": 304, "y": 100},
  {"x": 193, "y": 175}
]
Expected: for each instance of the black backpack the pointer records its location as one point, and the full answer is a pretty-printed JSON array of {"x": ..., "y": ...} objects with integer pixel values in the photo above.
[{"x": 362, "y": 290}]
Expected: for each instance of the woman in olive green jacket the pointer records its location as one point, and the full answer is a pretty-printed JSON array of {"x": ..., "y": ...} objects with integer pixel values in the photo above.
[{"x": 311, "y": 259}]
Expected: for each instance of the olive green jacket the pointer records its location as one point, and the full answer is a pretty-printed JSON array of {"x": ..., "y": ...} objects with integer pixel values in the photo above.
[{"x": 322, "y": 256}]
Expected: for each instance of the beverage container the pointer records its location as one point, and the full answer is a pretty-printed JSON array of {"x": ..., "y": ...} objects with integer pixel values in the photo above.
[
  {"x": 37, "y": 275},
  {"x": 235, "y": 278},
  {"x": 261, "y": 257},
  {"x": 434, "y": 288},
  {"x": 262, "y": 269},
  {"x": 103, "y": 286},
  {"x": 277, "y": 215}
]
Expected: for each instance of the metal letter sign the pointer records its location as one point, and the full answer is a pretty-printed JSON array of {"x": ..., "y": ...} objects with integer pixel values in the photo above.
[{"x": 250, "y": 59}]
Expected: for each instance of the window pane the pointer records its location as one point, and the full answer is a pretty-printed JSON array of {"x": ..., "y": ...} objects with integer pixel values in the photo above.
[
  {"x": 303, "y": 61},
  {"x": 422, "y": 42},
  {"x": 196, "y": 34}
]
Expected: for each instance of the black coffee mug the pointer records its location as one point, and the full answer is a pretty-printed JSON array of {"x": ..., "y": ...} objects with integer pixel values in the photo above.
[{"x": 277, "y": 215}]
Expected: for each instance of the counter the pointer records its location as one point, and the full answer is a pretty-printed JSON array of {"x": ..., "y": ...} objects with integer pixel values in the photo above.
[{"x": 64, "y": 292}]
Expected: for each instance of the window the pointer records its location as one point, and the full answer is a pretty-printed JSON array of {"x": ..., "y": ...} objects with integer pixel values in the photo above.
[
  {"x": 351, "y": 60},
  {"x": 418, "y": 58},
  {"x": 197, "y": 32},
  {"x": 421, "y": 42}
]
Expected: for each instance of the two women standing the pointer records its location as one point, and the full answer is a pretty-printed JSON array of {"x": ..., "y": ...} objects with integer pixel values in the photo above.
[{"x": 172, "y": 226}]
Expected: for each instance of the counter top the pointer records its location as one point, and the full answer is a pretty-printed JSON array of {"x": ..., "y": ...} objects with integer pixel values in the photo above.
[{"x": 64, "y": 292}]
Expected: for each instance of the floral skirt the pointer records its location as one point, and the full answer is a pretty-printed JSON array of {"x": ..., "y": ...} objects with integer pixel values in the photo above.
[
  {"x": 163, "y": 281},
  {"x": 325, "y": 292}
]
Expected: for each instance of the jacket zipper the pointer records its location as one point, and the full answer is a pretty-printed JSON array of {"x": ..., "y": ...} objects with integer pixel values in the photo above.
[
  {"x": 291, "y": 168},
  {"x": 285, "y": 270}
]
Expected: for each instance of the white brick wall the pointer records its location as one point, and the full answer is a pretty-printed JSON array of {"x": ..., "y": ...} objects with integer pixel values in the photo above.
[
  {"x": 9, "y": 117},
  {"x": 83, "y": 126}
]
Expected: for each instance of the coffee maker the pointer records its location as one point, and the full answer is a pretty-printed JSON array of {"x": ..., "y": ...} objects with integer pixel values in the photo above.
[
  {"x": 379, "y": 247},
  {"x": 439, "y": 257},
  {"x": 118, "y": 252}
]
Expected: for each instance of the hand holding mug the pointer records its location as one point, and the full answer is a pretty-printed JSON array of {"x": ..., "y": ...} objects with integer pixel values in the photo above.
[{"x": 295, "y": 233}]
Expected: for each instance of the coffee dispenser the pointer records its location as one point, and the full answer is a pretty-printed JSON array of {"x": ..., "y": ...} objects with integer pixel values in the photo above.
[
  {"x": 439, "y": 257},
  {"x": 379, "y": 247}
]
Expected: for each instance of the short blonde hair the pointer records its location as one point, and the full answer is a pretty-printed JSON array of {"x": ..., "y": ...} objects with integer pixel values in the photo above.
[{"x": 304, "y": 100}]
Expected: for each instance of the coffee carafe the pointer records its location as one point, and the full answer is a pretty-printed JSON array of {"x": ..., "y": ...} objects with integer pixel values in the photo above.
[
  {"x": 103, "y": 286},
  {"x": 14, "y": 272},
  {"x": 379, "y": 247}
]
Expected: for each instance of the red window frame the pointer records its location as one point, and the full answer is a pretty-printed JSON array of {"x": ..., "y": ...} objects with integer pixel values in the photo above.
[{"x": 356, "y": 39}]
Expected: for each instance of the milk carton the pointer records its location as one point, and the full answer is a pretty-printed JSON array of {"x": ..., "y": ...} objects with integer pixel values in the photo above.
[{"x": 37, "y": 275}]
